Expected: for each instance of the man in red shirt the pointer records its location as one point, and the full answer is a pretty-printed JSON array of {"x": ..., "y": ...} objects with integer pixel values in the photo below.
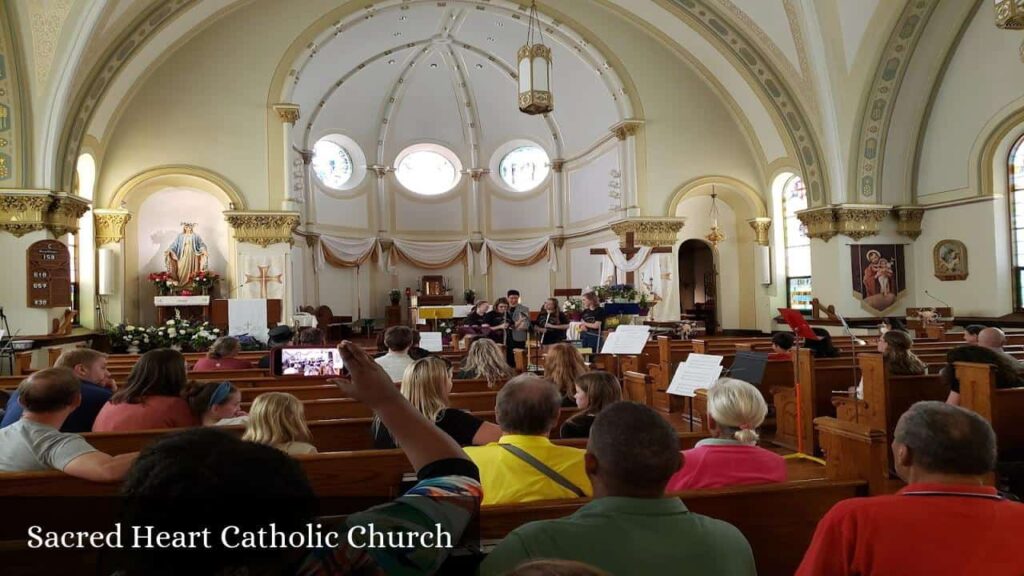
[{"x": 945, "y": 522}]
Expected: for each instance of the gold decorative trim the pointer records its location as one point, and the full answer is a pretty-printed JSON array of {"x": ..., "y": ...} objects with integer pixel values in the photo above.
[
  {"x": 908, "y": 220},
  {"x": 653, "y": 232},
  {"x": 626, "y": 128},
  {"x": 819, "y": 222},
  {"x": 762, "y": 227},
  {"x": 25, "y": 211},
  {"x": 557, "y": 165},
  {"x": 287, "y": 112},
  {"x": 64, "y": 213},
  {"x": 859, "y": 221},
  {"x": 110, "y": 225},
  {"x": 263, "y": 228}
]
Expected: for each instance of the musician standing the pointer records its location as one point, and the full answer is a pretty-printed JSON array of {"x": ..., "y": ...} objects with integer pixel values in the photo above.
[
  {"x": 519, "y": 315},
  {"x": 551, "y": 323}
]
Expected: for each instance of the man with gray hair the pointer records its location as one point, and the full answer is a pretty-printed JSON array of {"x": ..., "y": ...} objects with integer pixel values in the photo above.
[
  {"x": 523, "y": 465},
  {"x": 630, "y": 527},
  {"x": 945, "y": 522}
]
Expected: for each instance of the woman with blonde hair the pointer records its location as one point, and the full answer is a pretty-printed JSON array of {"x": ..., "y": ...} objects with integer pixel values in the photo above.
[
  {"x": 563, "y": 364},
  {"x": 595, "y": 391},
  {"x": 731, "y": 456},
  {"x": 485, "y": 360},
  {"x": 426, "y": 385},
  {"x": 276, "y": 419},
  {"x": 222, "y": 356}
]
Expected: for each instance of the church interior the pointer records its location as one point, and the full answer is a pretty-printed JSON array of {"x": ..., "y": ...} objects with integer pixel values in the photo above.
[{"x": 696, "y": 177}]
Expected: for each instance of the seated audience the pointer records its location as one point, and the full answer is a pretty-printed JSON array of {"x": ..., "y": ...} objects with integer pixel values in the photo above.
[
  {"x": 523, "y": 465},
  {"x": 280, "y": 335},
  {"x": 35, "y": 441},
  {"x": 889, "y": 323},
  {"x": 971, "y": 333},
  {"x": 216, "y": 403},
  {"x": 822, "y": 347},
  {"x": 277, "y": 419},
  {"x": 485, "y": 361},
  {"x": 151, "y": 397},
  {"x": 426, "y": 385},
  {"x": 90, "y": 367},
  {"x": 894, "y": 346},
  {"x": 1008, "y": 371},
  {"x": 256, "y": 486},
  {"x": 944, "y": 522},
  {"x": 994, "y": 339},
  {"x": 551, "y": 323},
  {"x": 630, "y": 527},
  {"x": 398, "y": 340},
  {"x": 595, "y": 391},
  {"x": 782, "y": 345},
  {"x": 563, "y": 365},
  {"x": 731, "y": 456},
  {"x": 222, "y": 356}
]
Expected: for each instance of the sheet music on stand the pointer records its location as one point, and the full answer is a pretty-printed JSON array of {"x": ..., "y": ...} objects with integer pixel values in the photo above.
[
  {"x": 699, "y": 371},
  {"x": 431, "y": 341},
  {"x": 627, "y": 339}
]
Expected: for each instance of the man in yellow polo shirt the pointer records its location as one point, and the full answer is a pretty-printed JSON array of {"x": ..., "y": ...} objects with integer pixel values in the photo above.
[{"x": 523, "y": 465}]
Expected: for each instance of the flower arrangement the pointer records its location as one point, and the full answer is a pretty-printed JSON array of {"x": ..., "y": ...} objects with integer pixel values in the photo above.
[
  {"x": 395, "y": 296},
  {"x": 205, "y": 280},
  {"x": 176, "y": 333},
  {"x": 622, "y": 293},
  {"x": 162, "y": 281},
  {"x": 572, "y": 305},
  {"x": 445, "y": 327},
  {"x": 469, "y": 296}
]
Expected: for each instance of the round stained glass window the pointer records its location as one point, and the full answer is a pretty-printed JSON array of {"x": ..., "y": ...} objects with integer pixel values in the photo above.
[
  {"x": 331, "y": 164},
  {"x": 524, "y": 168},
  {"x": 429, "y": 171}
]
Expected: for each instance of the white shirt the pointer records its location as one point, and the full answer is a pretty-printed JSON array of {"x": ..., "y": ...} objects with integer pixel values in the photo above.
[{"x": 395, "y": 363}]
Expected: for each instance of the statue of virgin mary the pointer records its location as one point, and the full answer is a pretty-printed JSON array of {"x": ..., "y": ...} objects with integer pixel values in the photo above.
[{"x": 187, "y": 256}]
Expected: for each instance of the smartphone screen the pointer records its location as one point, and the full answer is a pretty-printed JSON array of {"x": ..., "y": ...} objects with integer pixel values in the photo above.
[{"x": 300, "y": 361}]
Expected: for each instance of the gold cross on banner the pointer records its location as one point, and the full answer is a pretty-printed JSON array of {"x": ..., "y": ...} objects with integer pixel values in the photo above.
[{"x": 263, "y": 279}]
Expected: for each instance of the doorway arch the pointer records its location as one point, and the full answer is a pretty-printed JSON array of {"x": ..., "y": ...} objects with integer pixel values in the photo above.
[{"x": 698, "y": 282}]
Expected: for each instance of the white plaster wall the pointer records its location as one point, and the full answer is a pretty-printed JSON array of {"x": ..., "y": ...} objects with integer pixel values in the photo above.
[
  {"x": 727, "y": 258},
  {"x": 976, "y": 90},
  {"x": 589, "y": 185},
  {"x": 533, "y": 282}
]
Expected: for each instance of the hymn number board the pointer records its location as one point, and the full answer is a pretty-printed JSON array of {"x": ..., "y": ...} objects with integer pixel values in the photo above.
[{"x": 49, "y": 275}]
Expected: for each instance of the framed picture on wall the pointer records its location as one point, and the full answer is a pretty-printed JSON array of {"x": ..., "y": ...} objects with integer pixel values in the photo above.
[
  {"x": 879, "y": 276},
  {"x": 950, "y": 260}
]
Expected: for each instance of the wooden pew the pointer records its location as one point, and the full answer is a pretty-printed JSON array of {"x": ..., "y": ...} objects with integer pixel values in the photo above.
[
  {"x": 1003, "y": 408},
  {"x": 813, "y": 400},
  {"x": 328, "y": 435},
  {"x": 887, "y": 397},
  {"x": 778, "y": 520},
  {"x": 335, "y": 408}
]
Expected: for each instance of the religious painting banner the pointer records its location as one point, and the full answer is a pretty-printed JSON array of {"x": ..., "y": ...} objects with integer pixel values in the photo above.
[
  {"x": 879, "y": 275},
  {"x": 261, "y": 276}
]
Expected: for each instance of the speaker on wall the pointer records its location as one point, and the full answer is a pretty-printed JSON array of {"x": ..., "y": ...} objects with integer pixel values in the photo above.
[
  {"x": 107, "y": 272},
  {"x": 764, "y": 264}
]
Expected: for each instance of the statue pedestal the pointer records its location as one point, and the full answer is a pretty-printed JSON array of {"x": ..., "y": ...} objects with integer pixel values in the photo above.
[{"x": 193, "y": 308}]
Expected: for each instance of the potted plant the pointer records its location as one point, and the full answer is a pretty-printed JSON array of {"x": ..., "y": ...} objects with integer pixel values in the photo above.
[
  {"x": 644, "y": 303},
  {"x": 205, "y": 280},
  {"x": 395, "y": 296},
  {"x": 469, "y": 296},
  {"x": 573, "y": 308},
  {"x": 162, "y": 281}
]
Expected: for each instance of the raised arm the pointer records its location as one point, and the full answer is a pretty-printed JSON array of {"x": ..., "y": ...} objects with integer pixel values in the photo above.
[
  {"x": 422, "y": 441},
  {"x": 100, "y": 467}
]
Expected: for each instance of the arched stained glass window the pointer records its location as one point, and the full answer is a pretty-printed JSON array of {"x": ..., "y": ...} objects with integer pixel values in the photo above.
[{"x": 797, "y": 245}]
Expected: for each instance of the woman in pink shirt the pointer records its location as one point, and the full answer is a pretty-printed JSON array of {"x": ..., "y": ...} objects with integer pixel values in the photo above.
[
  {"x": 151, "y": 397},
  {"x": 221, "y": 356},
  {"x": 731, "y": 456}
]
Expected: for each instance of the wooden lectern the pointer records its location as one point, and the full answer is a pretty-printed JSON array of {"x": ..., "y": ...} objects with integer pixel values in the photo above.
[{"x": 919, "y": 319}]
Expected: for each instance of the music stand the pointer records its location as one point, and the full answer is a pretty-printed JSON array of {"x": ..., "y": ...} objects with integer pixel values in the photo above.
[
  {"x": 749, "y": 367},
  {"x": 798, "y": 323}
]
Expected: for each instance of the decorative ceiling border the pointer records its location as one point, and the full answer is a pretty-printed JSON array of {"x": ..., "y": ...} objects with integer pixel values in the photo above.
[
  {"x": 117, "y": 55},
  {"x": 768, "y": 79},
  {"x": 880, "y": 103}
]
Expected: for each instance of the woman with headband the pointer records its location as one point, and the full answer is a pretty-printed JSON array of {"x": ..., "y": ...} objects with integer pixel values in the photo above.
[
  {"x": 731, "y": 456},
  {"x": 216, "y": 403}
]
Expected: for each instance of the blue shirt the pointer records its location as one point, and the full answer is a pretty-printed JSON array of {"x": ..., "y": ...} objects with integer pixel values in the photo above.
[{"x": 94, "y": 397}]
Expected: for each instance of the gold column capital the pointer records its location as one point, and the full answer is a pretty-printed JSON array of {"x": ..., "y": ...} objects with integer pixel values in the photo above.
[
  {"x": 110, "y": 225},
  {"x": 65, "y": 212},
  {"x": 23, "y": 211},
  {"x": 287, "y": 112},
  {"x": 263, "y": 228},
  {"x": 909, "y": 220},
  {"x": 626, "y": 128},
  {"x": 761, "y": 227}
]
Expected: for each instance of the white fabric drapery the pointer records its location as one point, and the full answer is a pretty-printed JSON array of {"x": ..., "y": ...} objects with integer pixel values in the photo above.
[
  {"x": 344, "y": 252},
  {"x": 518, "y": 252},
  {"x": 430, "y": 255},
  {"x": 631, "y": 265}
]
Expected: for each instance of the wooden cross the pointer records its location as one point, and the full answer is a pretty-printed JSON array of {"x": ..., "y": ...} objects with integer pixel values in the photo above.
[
  {"x": 263, "y": 279},
  {"x": 629, "y": 250}
]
